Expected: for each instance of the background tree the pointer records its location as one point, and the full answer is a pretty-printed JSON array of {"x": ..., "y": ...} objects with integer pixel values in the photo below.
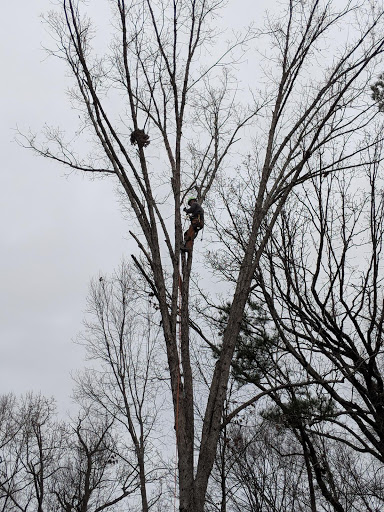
[
  {"x": 333, "y": 307},
  {"x": 29, "y": 452},
  {"x": 160, "y": 68},
  {"x": 89, "y": 476},
  {"x": 268, "y": 471},
  {"x": 78, "y": 465},
  {"x": 321, "y": 279},
  {"x": 327, "y": 309},
  {"x": 121, "y": 338}
]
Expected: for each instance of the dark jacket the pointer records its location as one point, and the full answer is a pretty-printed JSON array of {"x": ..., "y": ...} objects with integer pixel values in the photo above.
[{"x": 195, "y": 211}]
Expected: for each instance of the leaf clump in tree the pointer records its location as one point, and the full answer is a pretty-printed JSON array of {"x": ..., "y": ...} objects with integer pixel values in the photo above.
[{"x": 140, "y": 138}]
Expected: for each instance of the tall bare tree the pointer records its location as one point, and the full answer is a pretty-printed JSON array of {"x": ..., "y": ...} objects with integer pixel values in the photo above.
[
  {"x": 184, "y": 119},
  {"x": 121, "y": 337},
  {"x": 321, "y": 278}
]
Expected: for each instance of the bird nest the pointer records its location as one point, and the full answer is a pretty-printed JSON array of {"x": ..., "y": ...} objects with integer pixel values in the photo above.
[{"x": 140, "y": 138}]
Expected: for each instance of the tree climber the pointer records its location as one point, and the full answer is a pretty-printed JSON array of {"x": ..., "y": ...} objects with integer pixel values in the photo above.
[{"x": 196, "y": 216}]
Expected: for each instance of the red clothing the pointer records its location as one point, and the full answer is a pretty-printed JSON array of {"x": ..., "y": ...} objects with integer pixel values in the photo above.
[{"x": 191, "y": 233}]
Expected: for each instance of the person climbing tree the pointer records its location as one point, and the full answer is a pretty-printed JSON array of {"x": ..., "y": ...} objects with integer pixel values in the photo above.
[{"x": 196, "y": 216}]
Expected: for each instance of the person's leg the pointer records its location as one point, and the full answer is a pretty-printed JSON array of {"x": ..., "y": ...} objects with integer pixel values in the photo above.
[
  {"x": 197, "y": 225},
  {"x": 189, "y": 237},
  {"x": 191, "y": 234}
]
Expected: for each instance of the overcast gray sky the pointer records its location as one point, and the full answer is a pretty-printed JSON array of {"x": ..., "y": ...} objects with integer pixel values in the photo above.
[{"x": 57, "y": 232}]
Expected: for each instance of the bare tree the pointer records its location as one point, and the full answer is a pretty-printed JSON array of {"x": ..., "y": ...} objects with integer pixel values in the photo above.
[
  {"x": 270, "y": 467},
  {"x": 28, "y": 457},
  {"x": 8, "y": 432},
  {"x": 121, "y": 337},
  {"x": 321, "y": 279},
  {"x": 268, "y": 471},
  {"x": 160, "y": 66},
  {"x": 88, "y": 476},
  {"x": 74, "y": 466}
]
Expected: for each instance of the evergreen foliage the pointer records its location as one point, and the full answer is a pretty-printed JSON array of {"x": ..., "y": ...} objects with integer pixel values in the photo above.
[
  {"x": 302, "y": 409},
  {"x": 255, "y": 343},
  {"x": 378, "y": 92}
]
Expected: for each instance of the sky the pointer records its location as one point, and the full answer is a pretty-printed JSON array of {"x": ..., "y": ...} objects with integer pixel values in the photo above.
[{"x": 57, "y": 231}]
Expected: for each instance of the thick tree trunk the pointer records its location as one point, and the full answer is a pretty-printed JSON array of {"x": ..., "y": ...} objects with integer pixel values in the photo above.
[{"x": 185, "y": 429}]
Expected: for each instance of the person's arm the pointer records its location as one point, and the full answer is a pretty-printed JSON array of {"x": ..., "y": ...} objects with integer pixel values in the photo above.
[{"x": 191, "y": 209}]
